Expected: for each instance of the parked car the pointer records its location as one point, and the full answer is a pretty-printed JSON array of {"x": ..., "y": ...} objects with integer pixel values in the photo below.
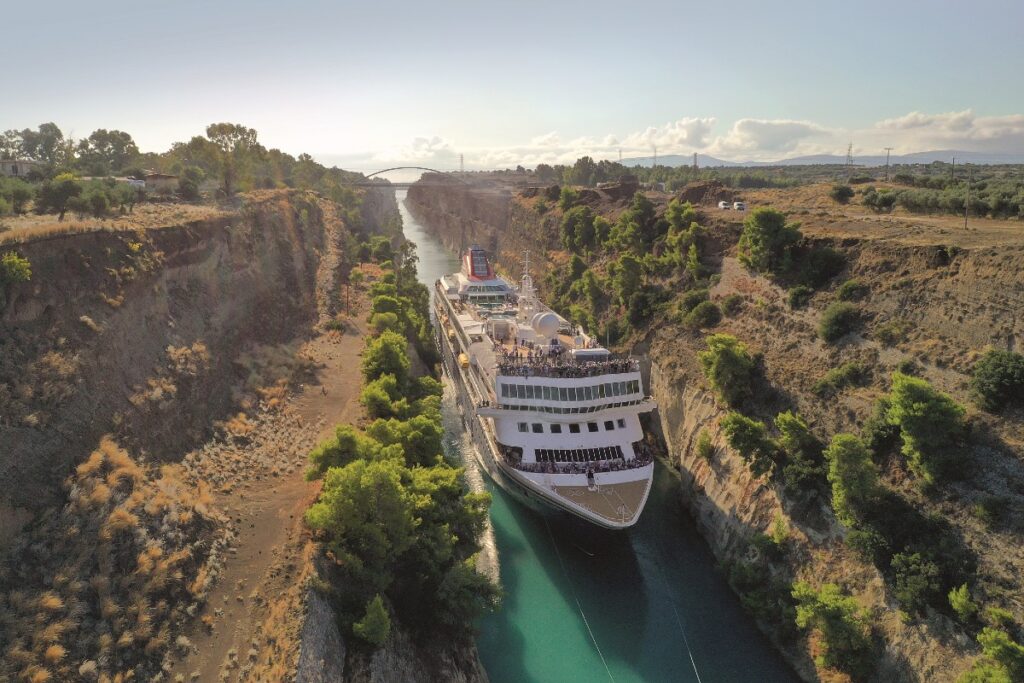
[
  {"x": 739, "y": 206},
  {"x": 723, "y": 205}
]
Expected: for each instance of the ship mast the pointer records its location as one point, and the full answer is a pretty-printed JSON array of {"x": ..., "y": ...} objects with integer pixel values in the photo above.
[{"x": 527, "y": 297}]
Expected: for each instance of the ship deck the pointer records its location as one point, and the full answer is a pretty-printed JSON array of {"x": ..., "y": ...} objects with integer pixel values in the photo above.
[{"x": 617, "y": 503}]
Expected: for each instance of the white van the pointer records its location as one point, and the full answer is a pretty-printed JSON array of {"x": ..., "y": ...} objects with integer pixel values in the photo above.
[
  {"x": 723, "y": 205},
  {"x": 739, "y": 206}
]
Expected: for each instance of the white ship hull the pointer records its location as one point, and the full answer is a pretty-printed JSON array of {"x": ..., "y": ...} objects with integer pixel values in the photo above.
[{"x": 605, "y": 493}]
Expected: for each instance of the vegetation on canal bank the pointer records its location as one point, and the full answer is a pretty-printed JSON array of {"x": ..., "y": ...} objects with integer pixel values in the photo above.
[{"x": 398, "y": 521}]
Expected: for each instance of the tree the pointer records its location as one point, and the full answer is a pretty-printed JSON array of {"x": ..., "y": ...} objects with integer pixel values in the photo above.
[
  {"x": 998, "y": 379},
  {"x": 45, "y": 144},
  {"x": 567, "y": 198},
  {"x": 234, "y": 142},
  {"x": 749, "y": 438},
  {"x": 383, "y": 398},
  {"x": 188, "y": 182},
  {"x": 917, "y": 581},
  {"x": 729, "y": 367},
  {"x": 106, "y": 151},
  {"x": 17, "y": 192},
  {"x": 54, "y": 195},
  {"x": 693, "y": 266},
  {"x": 964, "y": 607},
  {"x": 853, "y": 477},
  {"x": 14, "y": 269},
  {"x": 845, "y": 640},
  {"x": 930, "y": 424},
  {"x": 767, "y": 240},
  {"x": 626, "y": 277},
  {"x": 347, "y": 444},
  {"x": 577, "y": 228},
  {"x": 999, "y": 646},
  {"x": 375, "y": 625},
  {"x": 420, "y": 437},
  {"x": 365, "y": 516},
  {"x": 386, "y": 355}
]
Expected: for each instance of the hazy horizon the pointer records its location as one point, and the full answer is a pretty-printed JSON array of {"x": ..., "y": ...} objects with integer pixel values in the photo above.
[{"x": 364, "y": 86}]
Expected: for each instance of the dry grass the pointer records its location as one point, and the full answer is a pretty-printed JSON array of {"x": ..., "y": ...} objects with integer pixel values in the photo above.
[{"x": 135, "y": 542}]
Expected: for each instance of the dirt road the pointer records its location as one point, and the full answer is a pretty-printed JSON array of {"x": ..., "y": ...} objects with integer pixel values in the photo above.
[{"x": 248, "y": 625}]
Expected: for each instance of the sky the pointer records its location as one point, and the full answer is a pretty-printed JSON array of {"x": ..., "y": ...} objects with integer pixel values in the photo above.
[{"x": 375, "y": 83}]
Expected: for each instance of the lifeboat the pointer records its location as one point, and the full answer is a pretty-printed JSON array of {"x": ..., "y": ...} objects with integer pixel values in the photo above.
[{"x": 463, "y": 360}]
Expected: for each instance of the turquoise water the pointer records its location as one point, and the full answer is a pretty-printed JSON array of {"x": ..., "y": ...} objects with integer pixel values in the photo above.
[{"x": 646, "y": 605}]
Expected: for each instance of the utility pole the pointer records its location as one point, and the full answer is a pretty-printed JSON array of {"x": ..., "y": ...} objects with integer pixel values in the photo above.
[
  {"x": 967, "y": 202},
  {"x": 620, "y": 156},
  {"x": 849, "y": 161},
  {"x": 952, "y": 171},
  {"x": 694, "y": 161},
  {"x": 655, "y": 156},
  {"x": 887, "y": 150}
]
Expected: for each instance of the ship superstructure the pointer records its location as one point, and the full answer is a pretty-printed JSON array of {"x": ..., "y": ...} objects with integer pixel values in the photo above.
[{"x": 553, "y": 415}]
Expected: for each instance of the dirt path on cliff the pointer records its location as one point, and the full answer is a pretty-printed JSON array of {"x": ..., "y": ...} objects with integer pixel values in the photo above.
[{"x": 247, "y": 629}]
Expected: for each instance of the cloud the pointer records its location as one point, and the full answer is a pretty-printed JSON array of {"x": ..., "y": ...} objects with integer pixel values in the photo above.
[{"x": 747, "y": 139}]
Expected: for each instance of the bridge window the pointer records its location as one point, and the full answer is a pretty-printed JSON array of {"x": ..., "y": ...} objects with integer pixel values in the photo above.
[
  {"x": 574, "y": 428},
  {"x": 523, "y": 427},
  {"x": 556, "y": 429},
  {"x": 504, "y": 391},
  {"x": 609, "y": 425},
  {"x": 538, "y": 428},
  {"x": 592, "y": 426},
  {"x": 563, "y": 394},
  {"x": 520, "y": 391},
  {"x": 622, "y": 422}
]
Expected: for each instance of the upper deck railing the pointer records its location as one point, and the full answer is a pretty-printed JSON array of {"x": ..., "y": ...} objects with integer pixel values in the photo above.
[{"x": 564, "y": 367}]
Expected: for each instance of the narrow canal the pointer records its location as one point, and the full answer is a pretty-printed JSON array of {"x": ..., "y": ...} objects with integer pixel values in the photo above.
[{"x": 647, "y": 605}]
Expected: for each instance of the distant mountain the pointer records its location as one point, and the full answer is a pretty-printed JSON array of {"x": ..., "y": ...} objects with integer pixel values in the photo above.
[{"x": 962, "y": 157}]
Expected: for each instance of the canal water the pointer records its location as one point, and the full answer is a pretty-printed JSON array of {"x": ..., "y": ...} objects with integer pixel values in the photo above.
[{"x": 647, "y": 605}]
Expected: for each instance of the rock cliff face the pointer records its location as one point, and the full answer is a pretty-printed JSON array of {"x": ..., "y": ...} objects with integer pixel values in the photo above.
[
  {"x": 943, "y": 303},
  {"x": 137, "y": 333}
]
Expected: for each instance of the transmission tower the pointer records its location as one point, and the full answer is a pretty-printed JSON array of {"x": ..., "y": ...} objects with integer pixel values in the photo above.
[
  {"x": 620, "y": 156},
  {"x": 655, "y": 156},
  {"x": 849, "y": 161},
  {"x": 887, "y": 150},
  {"x": 694, "y": 161}
]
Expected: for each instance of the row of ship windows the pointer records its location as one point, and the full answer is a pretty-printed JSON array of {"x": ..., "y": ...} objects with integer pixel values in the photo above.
[
  {"x": 486, "y": 288},
  {"x": 588, "y": 393},
  {"x": 565, "y": 411},
  {"x": 574, "y": 427}
]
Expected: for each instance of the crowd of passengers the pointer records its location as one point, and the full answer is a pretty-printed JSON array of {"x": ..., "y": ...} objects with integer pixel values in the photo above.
[
  {"x": 643, "y": 456},
  {"x": 541, "y": 361}
]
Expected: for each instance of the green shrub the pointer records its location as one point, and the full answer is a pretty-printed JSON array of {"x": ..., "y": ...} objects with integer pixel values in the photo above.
[
  {"x": 985, "y": 672},
  {"x": 749, "y": 438},
  {"x": 729, "y": 367},
  {"x": 892, "y": 332},
  {"x": 567, "y": 198},
  {"x": 916, "y": 580},
  {"x": 732, "y": 304},
  {"x": 964, "y": 607},
  {"x": 850, "y": 374},
  {"x": 999, "y": 617},
  {"x": 852, "y": 290},
  {"x": 692, "y": 299},
  {"x": 383, "y": 398},
  {"x": 375, "y": 625},
  {"x": 819, "y": 265},
  {"x": 997, "y": 645},
  {"x": 845, "y": 636},
  {"x": 853, "y": 477},
  {"x": 705, "y": 448},
  {"x": 991, "y": 509},
  {"x": 14, "y": 268},
  {"x": 998, "y": 380},
  {"x": 705, "y": 314},
  {"x": 799, "y": 296},
  {"x": 841, "y": 193},
  {"x": 838, "y": 320},
  {"x": 930, "y": 424},
  {"x": 346, "y": 445}
]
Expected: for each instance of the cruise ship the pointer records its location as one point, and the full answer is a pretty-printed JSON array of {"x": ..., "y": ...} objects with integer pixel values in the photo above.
[{"x": 553, "y": 416}]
